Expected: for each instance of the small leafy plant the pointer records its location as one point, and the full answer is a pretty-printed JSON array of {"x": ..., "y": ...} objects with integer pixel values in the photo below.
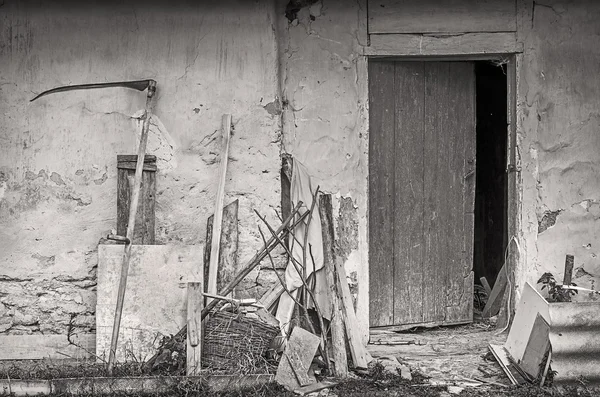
[{"x": 556, "y": 293}]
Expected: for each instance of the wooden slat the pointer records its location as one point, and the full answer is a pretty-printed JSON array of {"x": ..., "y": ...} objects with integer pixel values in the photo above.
[
  {"x": 435, "y": 16},
  {"x": 271, "y": 297},
  {"x": 228, "y": 250},
  {"x": 144, "y": 233},
  {"x": 360, "y": 355},
  {"x": 215, "y": 243},
  {"x": 381, "y": 192},
  {"x": 537, "y": 347},
  {"x": 35, "y": 347},
  {"x": 492, "y": 307},
  {"x": 195, "y": 304},
  {"x": 486, "y": 285},
  {"x": 463, "y": 44},
  {"x": 408, "y": 198},
  {"x": 338, "y": 338}
]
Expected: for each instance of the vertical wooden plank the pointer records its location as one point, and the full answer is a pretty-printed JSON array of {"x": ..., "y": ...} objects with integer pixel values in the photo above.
[
  {"x": 216, "y": 235},
  {"x": 228, "y": 258},
  {"x": 338, "y": 339},
  {"x": 408, "y": 198},
  {"x": 195, "y": 304},
  {"x": 569, "y": 263},
  {"x": 145, "y": 217},
  {"x": 381, "y": 192}
]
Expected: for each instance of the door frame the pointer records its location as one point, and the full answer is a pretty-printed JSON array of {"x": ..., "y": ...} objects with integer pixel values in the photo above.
[{"x": 513, "y": 179}]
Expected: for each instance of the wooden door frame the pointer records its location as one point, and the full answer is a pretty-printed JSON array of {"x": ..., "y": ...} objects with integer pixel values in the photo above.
[{"x": 513, "y": 177}]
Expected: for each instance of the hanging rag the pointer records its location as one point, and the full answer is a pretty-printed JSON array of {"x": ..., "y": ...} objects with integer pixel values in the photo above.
[{"x": 301, "y": 190}]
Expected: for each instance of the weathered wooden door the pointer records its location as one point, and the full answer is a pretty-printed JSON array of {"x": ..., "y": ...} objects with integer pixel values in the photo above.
[{"x": 421, "y": 192}]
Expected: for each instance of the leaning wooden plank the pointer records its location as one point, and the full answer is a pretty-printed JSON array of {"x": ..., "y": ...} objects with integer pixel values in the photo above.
[
  {"x": 304, "y": 390},
  {"x": 360, "y": 355},
  {"x": 502, "y": 358},
  {"x": 486, "y": 285},
  {"x": 338, "y": 339},
  {"x": 195, "y": 302},
  {"x": 569, "y": 263},
  {"x": 297, "y": 357},
  {"x": 228, "y": 258},
  {"x": 537, "y": 348},
  {"x": 216, "y": 235},
  {"x": 35, "y": 347},
  {"x": 492, "y": 307}
]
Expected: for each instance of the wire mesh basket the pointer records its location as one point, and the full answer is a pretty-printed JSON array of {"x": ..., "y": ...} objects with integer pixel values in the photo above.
[{"x": 236, "y": 342}]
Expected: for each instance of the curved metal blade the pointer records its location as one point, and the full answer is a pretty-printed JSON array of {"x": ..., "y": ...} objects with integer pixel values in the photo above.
[{"x": 139, "y": 85}]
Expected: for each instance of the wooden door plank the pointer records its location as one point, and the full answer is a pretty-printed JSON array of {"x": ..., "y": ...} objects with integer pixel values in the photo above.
[
  {"x": 381, "y": 192},
  {"x": 408, "y": 197},
  {"x": 435, "y": 16},
  {"x": 195, "y": 304}
]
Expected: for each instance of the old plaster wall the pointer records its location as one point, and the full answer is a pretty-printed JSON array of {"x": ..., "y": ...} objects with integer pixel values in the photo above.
[
  {"x": 559, "y": 140},
  {"x": 324, "y": 93},
  {"x": 58, "y": 154}
]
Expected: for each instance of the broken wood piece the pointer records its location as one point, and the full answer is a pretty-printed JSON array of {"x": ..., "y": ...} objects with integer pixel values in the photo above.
[
  {"x": 195, "y": 302},
  {"x": 296, "y": 359},
  {"x": 315, "y": 387},
  {"x": 218, "y": 216},
  {"x": 569, "y": 263},
  {"x": 503, "y": 358},
  {"x": 486, "y": 285},
  {"x": 271, "y": 297},
  {"x": 537, "y": 348},
  {"x": 338, "y": 339},
  {"x": 492, "y": 307},
  {"x": 546, "y": 368},
  {"x": 237, "y": 302},
  {"x": 360, "y": 355},
  {"x": 266, "y": 317},
  {"x": 228, "y": 250}
]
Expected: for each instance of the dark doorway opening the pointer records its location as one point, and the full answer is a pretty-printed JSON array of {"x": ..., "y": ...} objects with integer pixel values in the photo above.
[{"x": 491, "y": 184}]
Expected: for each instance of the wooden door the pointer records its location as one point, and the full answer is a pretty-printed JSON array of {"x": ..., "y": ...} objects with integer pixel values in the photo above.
[{"x": 421, "y": 192}]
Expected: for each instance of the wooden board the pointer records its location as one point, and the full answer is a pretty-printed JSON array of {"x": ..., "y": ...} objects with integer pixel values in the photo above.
[
  {"x": 297, "y": 357},
  {"x": 195, "y": 304},
  {"x": 381, "y": 190},
  {"x": 145, "y": 217},
  {"x": 218, "y": 214},
  {"x": 537, "y": 347},
  {"x": 271, "y": 297},
  {"x": 464, "y": 44},
  {"x": 530, "y": 304},
  {"x": 435, "y": 16},
  {"x": 431, "y": 199},
  {"x": 504, "y": 361},
  {"x": 228, "y": 252},
  {"x": 36, "y": 347}
]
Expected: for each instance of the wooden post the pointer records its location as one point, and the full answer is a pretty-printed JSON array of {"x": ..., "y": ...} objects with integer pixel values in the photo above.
[
  {"x": 144, "y": 233},
  {"x": 216, "y": 235},
  {"x": 195, "y": 303},
  {"x": 569, "y": 263},
  {"x": 338, "y": 339}
]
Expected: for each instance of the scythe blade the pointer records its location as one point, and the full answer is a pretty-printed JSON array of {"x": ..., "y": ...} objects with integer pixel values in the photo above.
[{"x": 139, "y": 85}]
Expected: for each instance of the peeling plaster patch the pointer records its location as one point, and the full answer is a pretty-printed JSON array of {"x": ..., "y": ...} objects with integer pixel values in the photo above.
[
  {"x": 56, "y": 178},
  {"x": 294, "y": 6},
  {"x": 44, "y": 261},
  {"x": 273, "y": 108},
  {"x": 3, "y": 187},
  {"x": 82, "y": 199},
  {"x": 347, "y": 228},
  {"x": 548, "y": 220},
  {"x": 79, "y": 172},
  {"x": 580, "y": 272},
  {"x": 101, "y": 180}
]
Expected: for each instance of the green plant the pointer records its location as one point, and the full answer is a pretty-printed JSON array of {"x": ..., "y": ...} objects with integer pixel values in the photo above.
[{"x": 556, "y": 292}]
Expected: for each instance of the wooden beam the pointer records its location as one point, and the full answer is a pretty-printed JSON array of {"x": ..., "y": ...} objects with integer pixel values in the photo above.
[
  {"x": 457, "y": 44},
  {"x": 195, "y": 303},
  {"x": 228, "y": 250},
  {"x": 37, "y": 347},
  {"x": 360, "y": 355},
  {"x": 338, "y": 340},
  {"x": 435, "y": 16},
  {"x": 569, "y": 263},
  {"x": 218, "y": 215}
]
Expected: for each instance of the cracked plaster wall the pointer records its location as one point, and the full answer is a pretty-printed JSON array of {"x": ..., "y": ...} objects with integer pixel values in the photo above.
[
  {"x": 58, "y": 154},
  {"x": 559, "y": 139}
]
